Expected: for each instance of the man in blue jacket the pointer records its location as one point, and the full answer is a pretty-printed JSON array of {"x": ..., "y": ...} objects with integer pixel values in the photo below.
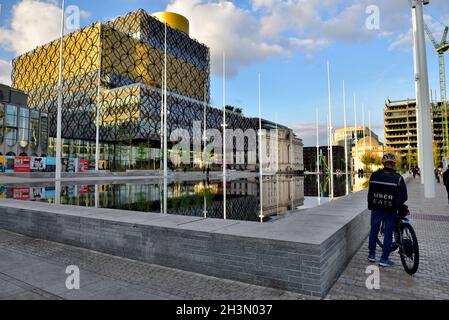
[{"x": 386, "y": 199}]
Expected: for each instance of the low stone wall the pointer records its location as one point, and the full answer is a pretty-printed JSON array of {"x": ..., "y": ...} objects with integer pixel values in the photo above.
[{"x": 304, "y": 251}]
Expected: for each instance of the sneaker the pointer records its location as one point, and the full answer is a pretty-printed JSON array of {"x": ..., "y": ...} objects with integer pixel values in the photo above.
[
  {"x": 386, "y": 263},
  {"x": 372, "y": 258}
]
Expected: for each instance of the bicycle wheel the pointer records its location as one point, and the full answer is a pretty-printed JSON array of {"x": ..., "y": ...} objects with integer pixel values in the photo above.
[
  {"x": 380, "y": 239},
  {"x": 409, "y": 251}
]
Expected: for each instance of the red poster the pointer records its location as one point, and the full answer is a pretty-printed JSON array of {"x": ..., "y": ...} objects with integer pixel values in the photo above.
[
  {"x": 84, "y": 190},
  {"x": 22, "y": 164},
  {"x": 21, "y": 193},
  {"x": 83, "y": 165}
]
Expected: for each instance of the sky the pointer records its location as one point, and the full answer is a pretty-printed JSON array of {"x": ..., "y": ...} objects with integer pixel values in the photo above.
[{"x": 368, "y": 44}]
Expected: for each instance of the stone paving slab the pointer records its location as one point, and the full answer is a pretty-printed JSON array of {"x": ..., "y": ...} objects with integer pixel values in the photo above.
[
  {"x": 432, "y": 279},
  {"x": 35, "y": 269}
]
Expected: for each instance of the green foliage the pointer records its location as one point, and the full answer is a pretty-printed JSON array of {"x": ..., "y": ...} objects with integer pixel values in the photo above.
[{"x": 369, "y": 159}]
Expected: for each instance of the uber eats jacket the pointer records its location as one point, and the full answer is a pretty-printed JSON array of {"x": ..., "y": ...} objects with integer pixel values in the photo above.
[{"x": 387, "y": 192}]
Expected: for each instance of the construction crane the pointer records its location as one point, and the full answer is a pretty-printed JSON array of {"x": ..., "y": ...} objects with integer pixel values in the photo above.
[{"x": 441, "y": 48}]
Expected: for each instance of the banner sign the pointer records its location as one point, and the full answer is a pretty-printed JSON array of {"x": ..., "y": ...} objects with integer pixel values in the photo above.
[
  {"x": 72, "y": 165},
  {"x": 38, "y": 164},
  {"x": 22, "y": 164},
  {"x": 21, "y": 193},
  {"x": 83, "y": 165},
  {"x": 9, "y": 164}
]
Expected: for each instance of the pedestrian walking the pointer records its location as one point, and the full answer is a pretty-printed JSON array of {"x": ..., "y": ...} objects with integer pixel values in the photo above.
[
  {"x": 415, "y": 172},
  {"x": 437, "y": 175},
  {"x": 446, "y": 181}
]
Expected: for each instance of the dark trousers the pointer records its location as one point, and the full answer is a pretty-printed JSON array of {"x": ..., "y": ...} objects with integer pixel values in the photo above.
[
  {"x": 447, "y": 188},
  {"x": 390, "y": 220}
]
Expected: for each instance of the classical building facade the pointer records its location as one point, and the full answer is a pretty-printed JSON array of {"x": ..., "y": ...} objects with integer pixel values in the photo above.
[
  {"x": 365, "y": 148},
  {"x": 353, "y": 135}
]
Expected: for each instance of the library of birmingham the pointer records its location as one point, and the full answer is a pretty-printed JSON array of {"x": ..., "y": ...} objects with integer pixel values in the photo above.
[{"x": 118, "y": 67}]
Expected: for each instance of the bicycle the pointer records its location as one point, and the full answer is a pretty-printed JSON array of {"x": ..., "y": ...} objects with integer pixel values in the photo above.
[{"x": 404, "y": 239}]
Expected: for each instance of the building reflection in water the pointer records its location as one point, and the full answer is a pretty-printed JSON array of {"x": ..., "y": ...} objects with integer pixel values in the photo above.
[{"x": 281, "y": 194}]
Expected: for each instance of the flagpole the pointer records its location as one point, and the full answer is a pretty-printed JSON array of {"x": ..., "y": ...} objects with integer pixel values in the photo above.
[
  {"x": 363, "y": 122},
  {"x": 369, "y": 128},
  {"x": 318, "y": 155},
  {"x": 260, "y": 151},
  {"x": 60, "y": 100},
  {"x": 277, "y": 167},
  {"x": 346, "y": 139},
  {"x": 161, "y": 153},
  {"x": 356, "y": 132},
  {"x": 97, "y": 126},
  {"x": 330, "y": 134},
  {"x": 165, "y": 104},
  {"x": 224, "y": 138},
  {"x": 165, "y": 123},
  {"x": 205, "y": 164}
]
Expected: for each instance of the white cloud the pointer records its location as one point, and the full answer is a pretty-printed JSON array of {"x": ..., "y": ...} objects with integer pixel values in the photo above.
[
  {"x": 307, "y": 132},
  {"x": 404, "y": 41},
  {"x": 270, "y": 28},
  {"x": 224, "y": 27},
  {"x": 33, "y": 23},
  {"x": 5, "y": 72}
]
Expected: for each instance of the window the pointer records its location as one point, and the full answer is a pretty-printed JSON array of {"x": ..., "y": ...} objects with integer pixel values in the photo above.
[
  {"x": 11, "y": 116},
  {"x": 24, "y": 126},
  {"x": 44, "y": 131},
  {"x": 11, "y": 136},
  {"x": 11, "y": 125},
  {"x": 34, "y": 129}
]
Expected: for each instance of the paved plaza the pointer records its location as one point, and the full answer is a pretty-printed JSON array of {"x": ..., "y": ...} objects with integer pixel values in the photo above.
[
  {"x": 430, "y": 219},
  {"x": 35, "y": 269}
]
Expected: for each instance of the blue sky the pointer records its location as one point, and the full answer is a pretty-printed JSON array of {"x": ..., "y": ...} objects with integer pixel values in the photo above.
[{"x": 288, "y": 42}]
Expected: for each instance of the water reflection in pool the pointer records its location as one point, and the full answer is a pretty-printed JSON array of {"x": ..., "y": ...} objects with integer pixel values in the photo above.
[{"x": 281, "y": 194}]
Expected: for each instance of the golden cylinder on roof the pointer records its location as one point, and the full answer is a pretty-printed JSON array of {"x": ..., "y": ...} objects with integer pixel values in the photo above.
[{"x": 174, "y": 20}]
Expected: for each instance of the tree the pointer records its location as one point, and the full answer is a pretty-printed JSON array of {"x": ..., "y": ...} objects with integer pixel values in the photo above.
[
  {"x": 141, "y": 154},
  {"x": 369, "y": 160}
]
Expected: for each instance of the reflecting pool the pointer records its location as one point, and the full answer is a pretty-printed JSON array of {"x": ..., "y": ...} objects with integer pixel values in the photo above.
[{"x": 281, "y": 194}]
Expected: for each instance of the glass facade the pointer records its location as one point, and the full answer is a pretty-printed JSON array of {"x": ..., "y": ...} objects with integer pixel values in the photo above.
[
  {"x": 11, "y": 116},
  {"x": 22, "y": 129},
  {"x": 11, "y": 125},
  {"x": 44, "y": 131},
  {"x": 127, "y": 89},
  {"x": 34, "y": 129},
  {"x": 24, "y": 126}
]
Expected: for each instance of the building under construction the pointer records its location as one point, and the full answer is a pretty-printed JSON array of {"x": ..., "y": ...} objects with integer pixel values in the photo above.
[{"x": 401, "y": 135}]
